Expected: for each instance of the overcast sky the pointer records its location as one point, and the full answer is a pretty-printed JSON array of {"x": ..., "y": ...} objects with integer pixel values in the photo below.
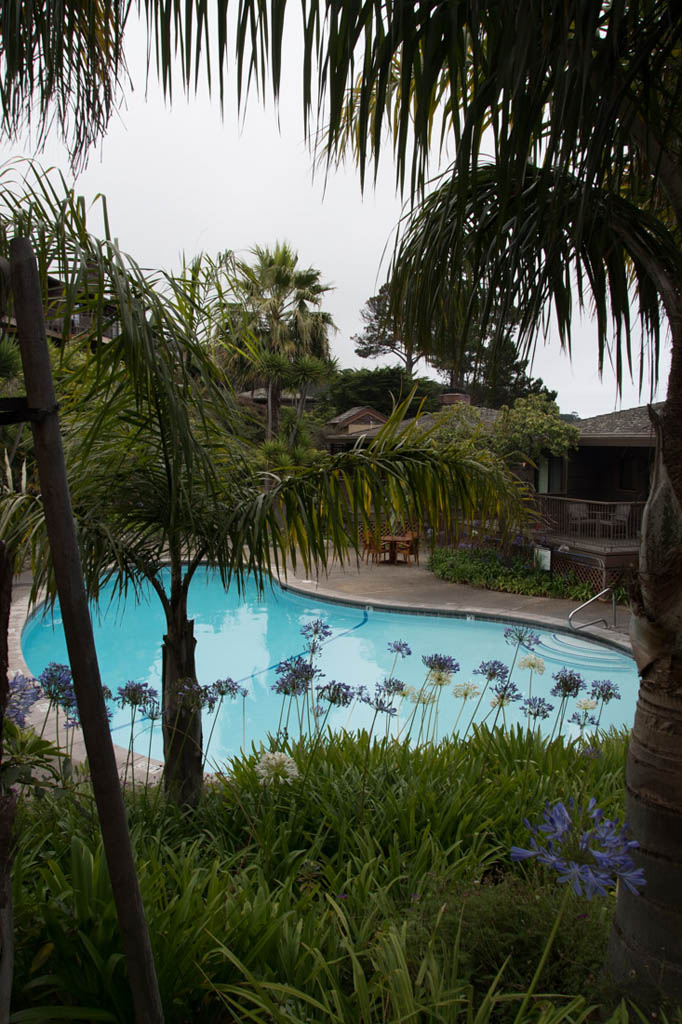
[{"x": 183, "y": 179}]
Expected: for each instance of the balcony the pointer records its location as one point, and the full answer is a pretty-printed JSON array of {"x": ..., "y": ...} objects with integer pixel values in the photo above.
[{"x": 600, "y": 526}]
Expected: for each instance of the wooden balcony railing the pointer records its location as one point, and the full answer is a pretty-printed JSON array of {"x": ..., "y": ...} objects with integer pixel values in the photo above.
[{"x": 613, "y": 523}]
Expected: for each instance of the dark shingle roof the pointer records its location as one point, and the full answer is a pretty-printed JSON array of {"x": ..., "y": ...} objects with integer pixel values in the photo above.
[{"x": 627, "y": 426}]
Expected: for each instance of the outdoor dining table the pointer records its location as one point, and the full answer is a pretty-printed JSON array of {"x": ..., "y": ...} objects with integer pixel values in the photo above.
[{"x": 393, "y": 539}]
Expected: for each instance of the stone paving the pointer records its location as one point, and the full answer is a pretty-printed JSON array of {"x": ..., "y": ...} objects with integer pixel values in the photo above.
[{"x": 398, "y": 586}]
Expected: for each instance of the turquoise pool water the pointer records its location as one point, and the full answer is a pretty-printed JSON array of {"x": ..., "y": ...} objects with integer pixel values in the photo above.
[{"x": 246, "y": 636}]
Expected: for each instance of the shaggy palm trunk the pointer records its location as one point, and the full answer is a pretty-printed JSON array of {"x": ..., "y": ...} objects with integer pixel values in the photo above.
[
  {"x": 646, "y": 940},
  {"x": 182, "y": 736}
]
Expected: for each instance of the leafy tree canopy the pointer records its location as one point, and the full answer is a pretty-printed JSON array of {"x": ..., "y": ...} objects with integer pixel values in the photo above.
[
  {"x": 532, "y": 427},
  {"x": 381, "y": 389},
  {"x": 382, "y": 334}
]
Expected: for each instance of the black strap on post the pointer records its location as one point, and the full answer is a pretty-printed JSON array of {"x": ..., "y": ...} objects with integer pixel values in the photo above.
[{"x": 17, "y": 410}]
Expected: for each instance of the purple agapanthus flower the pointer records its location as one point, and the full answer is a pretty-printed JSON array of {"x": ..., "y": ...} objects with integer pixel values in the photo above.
[
  {"x": 506, "y": 692},
  {"x": 56, "y": 683},
  {"x": 441, "y": 663},
  {"x": 193, "y": 696},
  {"x": 583, "y": 719},
  {"x": 399, "y": 647},
  {"x": 568, "y": 683},
  {"x": 522, "y": 636},
  {"x": 296, "y": 675},
  {"x": 24, "y": 691},
  {"x": 228, "y": 688},
  {"x": 392, "y": 685},
  {"x": 494, "y": 669},
  {"x": 133, "y": 694},
  {"x": 588, "y": 852},
  {"x": 537, "y": 707},
  {"x": 604, "y": 690},
  {"x": 339, "y": 695},
  {"x": 377, "y": 700},
  {"x": 315, "y": 633}
]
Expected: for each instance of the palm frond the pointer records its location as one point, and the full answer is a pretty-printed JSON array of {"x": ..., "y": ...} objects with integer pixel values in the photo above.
[{"x": 557, "y": 242}]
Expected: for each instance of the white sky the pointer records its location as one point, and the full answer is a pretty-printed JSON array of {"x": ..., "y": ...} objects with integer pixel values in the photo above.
[{"x": 183, "y": 179}]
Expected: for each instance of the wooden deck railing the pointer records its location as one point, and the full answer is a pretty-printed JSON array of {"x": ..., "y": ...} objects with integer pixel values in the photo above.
[{"x": 607, "y": 521}]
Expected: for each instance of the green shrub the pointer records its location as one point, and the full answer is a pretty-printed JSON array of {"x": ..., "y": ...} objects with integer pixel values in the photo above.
[
  {"x": 514, "y": 573},
  {"x": 293, "y": 902}
]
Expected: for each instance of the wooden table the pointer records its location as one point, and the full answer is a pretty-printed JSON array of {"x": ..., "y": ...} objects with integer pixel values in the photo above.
[{"x": 393, "y": 540}]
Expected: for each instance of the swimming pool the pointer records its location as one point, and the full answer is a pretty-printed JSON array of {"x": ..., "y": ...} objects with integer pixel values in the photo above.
[{"x": 245, "y": 637}]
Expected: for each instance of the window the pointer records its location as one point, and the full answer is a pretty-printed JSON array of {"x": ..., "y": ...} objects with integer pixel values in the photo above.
[{"x": 551, "y": 475}]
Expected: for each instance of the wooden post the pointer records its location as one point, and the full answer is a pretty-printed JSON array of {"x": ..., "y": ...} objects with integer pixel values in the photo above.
[{"x": 78, "y": 630}]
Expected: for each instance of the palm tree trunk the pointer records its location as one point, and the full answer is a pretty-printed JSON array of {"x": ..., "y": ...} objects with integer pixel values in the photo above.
[
  {"x": 8, "y": 802},
  {"x": 646, "y": 941},
  {"x": 182, "y": 734}
]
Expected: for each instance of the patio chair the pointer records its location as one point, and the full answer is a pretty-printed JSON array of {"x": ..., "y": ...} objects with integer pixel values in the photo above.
[
  {"x": 616, "y": 523},
  {"x": 578, "y": 517}
]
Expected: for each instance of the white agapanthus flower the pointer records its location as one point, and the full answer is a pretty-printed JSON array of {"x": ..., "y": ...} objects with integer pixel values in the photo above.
[
  {"x": 586, "y": 704},
  {"x": 532, "y": 662},
  {"x": 466, "y": 690},
  {"x": 274, "y": 766}
]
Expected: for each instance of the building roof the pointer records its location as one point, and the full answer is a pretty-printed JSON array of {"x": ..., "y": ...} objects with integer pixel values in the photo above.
[
  {"x": 625, "y": 427},
  {"x": 351, "y": 414}
]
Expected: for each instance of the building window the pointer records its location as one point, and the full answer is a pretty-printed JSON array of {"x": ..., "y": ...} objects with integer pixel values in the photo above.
[{"x": 551, "y": 475}]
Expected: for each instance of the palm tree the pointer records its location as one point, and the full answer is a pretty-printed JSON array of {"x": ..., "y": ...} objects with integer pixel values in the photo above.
[
  {"x": 161, "y": 478},
  {"x": 579, "y": 105},
  {"x": 282, "y": 300}
]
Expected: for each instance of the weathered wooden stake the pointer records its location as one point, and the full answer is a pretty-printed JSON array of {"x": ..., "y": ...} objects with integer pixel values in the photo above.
[{"x": 78, "y": 630}]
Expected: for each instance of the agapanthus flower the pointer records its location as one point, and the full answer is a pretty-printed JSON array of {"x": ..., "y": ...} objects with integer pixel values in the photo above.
[
  {"x": 420, "y": 696},
  {"x": 56, "y": 683},
  {"x": 533, "y": 663},
  {"x": 522, "y": 636},
  {"x": 492, "y": 670},
  {"x": 568, "y": 683},
  {"x": 228, "y": 688},
  {"x": 133, "y": 694},
  {"x": 315, "y": 633},
  {"x": 296, "y": 675},
  {"x": 339, "y": 695},
  {"x": 506, "y": 692},
  {"x": 583, "y": 719},
  {"x": 275, "y": 766},
  {"x": 399, "y": 647},
  {"x": 586, "y": 704},
  {"x": 392, "y": 685},
  {"x": 536, "y": 707},
  {"x": 441, "y": 668},
  {"x": 377, "y": 700},
  {"x": 24, "y": 691},
  {"x": 591, "y": 753},
  {"x": 604, "y": 690},
  {"x": 465, "y": 690},
  {"x": 192, "y": 696},
  {"x": 588, "y": 851}
]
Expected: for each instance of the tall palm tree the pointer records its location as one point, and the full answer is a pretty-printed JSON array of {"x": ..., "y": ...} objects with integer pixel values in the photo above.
[
  {"x": 161, "y": 478},
  {"x": 580, "y": 107},
  {"x": 282, "y": 301}
]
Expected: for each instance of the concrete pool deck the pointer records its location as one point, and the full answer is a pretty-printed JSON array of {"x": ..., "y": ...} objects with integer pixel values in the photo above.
[
  {"x": 399, "y": 586},
  {"x": 413, "y": 587}
]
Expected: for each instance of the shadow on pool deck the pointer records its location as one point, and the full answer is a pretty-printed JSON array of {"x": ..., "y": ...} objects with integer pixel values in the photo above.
[{"x": 397, "y": 586}]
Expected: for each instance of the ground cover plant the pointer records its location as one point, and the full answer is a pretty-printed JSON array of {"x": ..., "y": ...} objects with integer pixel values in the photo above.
[
  {"x": 284, "y": 898},
  {"x": 513, "y": 573},
  {"x": 336, "y": 876}
]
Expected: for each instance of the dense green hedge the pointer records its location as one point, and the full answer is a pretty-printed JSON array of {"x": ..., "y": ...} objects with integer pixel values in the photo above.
[{"x": 513, "y": 573}]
